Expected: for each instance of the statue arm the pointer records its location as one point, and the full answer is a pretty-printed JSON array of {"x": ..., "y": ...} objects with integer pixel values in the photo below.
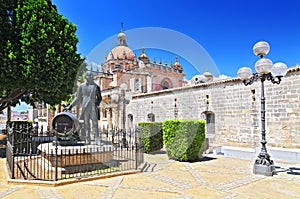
[
  {"x": 77, "y": 98},
  {"x": 98, "y": 96}
]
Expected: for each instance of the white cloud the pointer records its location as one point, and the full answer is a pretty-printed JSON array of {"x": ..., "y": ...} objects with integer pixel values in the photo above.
[{"x": 222, "y": 76}]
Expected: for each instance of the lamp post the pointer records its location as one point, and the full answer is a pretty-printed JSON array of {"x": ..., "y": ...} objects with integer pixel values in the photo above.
[
  {"x": 123, "y": 88},
  {"x": 265, "y": 70},
  {"x": 115, "y": 105},
  {"x": 118, "y": 100}
]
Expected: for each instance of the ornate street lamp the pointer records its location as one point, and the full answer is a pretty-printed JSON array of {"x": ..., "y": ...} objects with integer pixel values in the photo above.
[
  {"x": 123, "y": 88},
  {"x": 265, "y": 70},
  {"x": 120, "y": 98}
]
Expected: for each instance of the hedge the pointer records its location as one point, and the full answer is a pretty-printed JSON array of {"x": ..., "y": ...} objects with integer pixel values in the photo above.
[
  {"x": 151, "y": 136},
  {"x": 184, "y": 139}
]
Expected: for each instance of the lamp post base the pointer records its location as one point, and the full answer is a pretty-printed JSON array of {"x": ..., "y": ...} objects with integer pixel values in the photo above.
[{"x": 264, "y": 169}]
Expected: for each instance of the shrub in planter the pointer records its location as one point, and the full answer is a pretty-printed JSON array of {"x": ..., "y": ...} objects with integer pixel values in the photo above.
[
  {"x": 184, "y": 139},
  {"x": 151, "y": 136}
]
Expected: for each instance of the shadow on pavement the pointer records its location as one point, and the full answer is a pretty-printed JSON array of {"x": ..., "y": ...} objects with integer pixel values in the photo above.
[
  {"x": 293, "y": 171},
  {"x": 290, "y": 171},
  {"x": 203, "y": 159},
  {"x": 161, "y": 152}
]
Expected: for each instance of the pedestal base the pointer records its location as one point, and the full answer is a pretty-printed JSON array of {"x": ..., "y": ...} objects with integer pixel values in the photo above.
[
  {"x": 74, "y": 159},
  {"x": 65, "y": 141},
  {"x": 264, "y": 169}
]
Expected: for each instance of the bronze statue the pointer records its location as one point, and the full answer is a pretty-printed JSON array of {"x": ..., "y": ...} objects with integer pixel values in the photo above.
[{"x": 89, "y": 94}]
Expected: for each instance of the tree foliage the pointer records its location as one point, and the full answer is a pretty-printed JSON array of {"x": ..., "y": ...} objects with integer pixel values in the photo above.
[{"x": 38, "y": 54}]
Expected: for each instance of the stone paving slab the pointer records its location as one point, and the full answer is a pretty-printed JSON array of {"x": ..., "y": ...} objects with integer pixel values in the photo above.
[
  {"x": 147, "y": 181},
  {"x": 268, "y": 188},
  {"x": 204, "y": 192},
  {"x": 214, "y": 177}
]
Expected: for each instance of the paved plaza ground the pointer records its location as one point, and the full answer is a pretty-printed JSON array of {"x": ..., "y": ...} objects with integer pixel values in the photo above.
[{"x": 214, "y": 177}]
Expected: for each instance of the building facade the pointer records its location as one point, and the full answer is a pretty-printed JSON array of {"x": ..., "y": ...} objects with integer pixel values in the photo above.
[{"x": 231, "y": 110}]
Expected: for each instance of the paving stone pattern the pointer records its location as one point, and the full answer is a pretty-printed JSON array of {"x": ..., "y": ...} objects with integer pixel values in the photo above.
[{"x": 220, "y": 177}]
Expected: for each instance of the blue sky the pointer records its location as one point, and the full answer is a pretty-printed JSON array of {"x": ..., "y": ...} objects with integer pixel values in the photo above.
[{"x": 227, "y": 30}]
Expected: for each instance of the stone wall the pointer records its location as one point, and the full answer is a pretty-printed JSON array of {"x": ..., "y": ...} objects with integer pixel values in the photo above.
[{"x": 235, "y": 109}]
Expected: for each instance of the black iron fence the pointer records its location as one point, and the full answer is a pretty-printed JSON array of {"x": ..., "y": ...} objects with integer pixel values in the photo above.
[{"x": 35, "y": 157}]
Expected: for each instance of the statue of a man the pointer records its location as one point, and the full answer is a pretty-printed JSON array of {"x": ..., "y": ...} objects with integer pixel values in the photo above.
[{"x": 89, "y": 95}]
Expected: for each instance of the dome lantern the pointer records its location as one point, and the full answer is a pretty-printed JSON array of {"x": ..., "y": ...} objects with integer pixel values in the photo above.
[
  {"x": 177, "y": 65},
  {"x": 143, "y": 57},
  {"x": 122, "y": 37}
]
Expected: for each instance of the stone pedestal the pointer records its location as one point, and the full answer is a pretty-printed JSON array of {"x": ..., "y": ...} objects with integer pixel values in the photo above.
[
  {"x": 72, "y": 159},
  {"x": 264, "y": 169},
  {"x": 68, "y": 141}
]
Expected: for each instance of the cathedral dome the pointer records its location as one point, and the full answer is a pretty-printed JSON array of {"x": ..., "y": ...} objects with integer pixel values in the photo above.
[
  {"x": 208, "y": 75},
  {"x": 120, "y": 52}
]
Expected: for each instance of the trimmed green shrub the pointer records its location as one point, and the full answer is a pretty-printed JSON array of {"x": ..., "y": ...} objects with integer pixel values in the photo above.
[
  {"x": 151, "y": 136},
  {"x": 184, "y": 139}
]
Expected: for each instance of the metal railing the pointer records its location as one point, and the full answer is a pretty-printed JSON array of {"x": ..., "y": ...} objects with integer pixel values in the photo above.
[{"x": 33, "y": 157}]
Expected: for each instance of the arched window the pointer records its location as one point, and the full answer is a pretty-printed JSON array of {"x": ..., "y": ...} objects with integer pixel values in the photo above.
[{"x": 166, "y": 83}]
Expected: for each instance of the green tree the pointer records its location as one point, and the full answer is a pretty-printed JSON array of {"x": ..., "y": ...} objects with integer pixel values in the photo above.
[{"x": 38, "y": 54}]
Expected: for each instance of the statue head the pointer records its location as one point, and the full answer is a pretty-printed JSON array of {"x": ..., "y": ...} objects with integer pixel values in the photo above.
[{"x": 89, "y": 76}]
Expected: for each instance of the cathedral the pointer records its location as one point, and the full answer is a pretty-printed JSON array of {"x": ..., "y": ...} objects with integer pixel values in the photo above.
[{"x": 140, "y": 75}]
